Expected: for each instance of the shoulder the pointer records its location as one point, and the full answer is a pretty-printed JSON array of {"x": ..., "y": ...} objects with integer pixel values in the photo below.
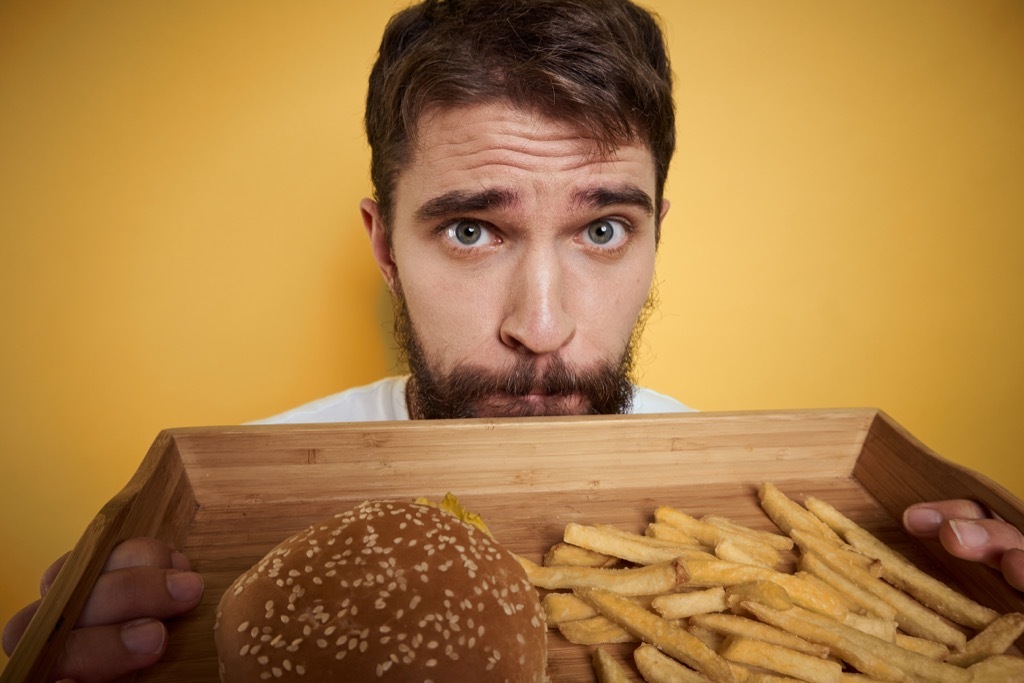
[
  {"x": 381, "y": 400},
  {"x": 650, "y": 401}
]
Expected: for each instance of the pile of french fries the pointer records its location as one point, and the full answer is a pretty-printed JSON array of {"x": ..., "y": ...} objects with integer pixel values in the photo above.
[{"x": 705, "y": 601}]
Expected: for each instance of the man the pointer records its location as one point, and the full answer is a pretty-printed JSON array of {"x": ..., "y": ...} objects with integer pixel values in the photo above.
[{"x": 520, "y": 150}]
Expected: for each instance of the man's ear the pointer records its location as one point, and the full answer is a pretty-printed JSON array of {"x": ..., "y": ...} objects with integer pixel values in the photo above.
[
  {"x": 378, "y": 241},
  {"x": 665, "y": 204}
]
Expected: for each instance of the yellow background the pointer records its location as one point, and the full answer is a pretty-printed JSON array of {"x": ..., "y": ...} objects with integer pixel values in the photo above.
[{"x": 181, "y": 244}]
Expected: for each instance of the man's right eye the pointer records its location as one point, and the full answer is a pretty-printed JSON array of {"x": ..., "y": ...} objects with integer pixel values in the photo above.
[{"x": 467, "y": 233}]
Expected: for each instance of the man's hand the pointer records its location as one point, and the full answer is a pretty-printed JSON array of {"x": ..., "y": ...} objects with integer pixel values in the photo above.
[
  {"x": 967, "y": 530},
  {"x": 119, "y": 630}
]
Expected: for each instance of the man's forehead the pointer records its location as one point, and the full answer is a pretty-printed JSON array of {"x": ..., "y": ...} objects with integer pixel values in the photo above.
[
  {"x": 501, "y": 122},
  {"x": 493, "y": 157}
]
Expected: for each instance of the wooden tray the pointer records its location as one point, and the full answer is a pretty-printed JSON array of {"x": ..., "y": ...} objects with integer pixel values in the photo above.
[{"x": 227, "y": 495}]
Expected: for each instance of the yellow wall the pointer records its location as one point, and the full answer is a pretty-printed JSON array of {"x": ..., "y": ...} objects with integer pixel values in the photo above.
[{"x": 181, "y": 245}]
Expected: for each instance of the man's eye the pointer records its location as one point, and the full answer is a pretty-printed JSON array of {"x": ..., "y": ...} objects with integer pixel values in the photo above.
[
  {"x": 465, "y": 233},
  {"x": 606, "y": 233}
]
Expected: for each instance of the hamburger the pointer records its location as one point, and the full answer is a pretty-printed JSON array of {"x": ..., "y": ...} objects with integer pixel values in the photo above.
[{"x": 389, "y": 590}]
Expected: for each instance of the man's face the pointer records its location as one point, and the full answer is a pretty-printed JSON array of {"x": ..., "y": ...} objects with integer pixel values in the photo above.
[{"x": 522, "y": 256}]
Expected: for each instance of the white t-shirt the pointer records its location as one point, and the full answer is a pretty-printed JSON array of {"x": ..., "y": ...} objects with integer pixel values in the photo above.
[{"x": 385, "y": 400}]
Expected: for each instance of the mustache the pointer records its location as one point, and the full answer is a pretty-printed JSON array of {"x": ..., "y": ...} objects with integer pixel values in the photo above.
[
  {"x": 459, "y": 392},
  {"x": 525, "y": 377}
]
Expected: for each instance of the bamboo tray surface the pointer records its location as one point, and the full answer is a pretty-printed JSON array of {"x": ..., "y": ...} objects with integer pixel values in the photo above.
[{"x": 227, "y": 495}]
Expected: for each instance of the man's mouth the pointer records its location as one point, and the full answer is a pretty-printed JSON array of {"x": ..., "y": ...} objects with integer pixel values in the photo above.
[{"x": 532, "y": 404}]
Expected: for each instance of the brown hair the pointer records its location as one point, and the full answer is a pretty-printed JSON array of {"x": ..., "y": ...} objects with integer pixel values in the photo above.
[{"x": 597, "y": 64}]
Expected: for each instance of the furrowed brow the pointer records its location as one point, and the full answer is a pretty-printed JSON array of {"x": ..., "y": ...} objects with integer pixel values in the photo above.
[
  {"x": 600, "y": 197},
  {"x": 459, "y": 202}
]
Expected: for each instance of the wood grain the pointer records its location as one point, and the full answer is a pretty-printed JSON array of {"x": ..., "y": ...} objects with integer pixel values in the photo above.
[{"x": 228, "y": 495}]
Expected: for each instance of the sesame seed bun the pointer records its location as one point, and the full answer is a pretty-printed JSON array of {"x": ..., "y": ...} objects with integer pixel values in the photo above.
[{"x": 386, "y": 591}]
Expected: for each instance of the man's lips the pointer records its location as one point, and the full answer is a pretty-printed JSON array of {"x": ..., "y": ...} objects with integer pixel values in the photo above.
[{"x": 504, "y": 404}]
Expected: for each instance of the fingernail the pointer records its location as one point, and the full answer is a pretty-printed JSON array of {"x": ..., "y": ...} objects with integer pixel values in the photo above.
[
  {"x": 185, "y": 586},
  {"x": 143, "y": 636},
  {"x": 922, "y": 520},
  {"x": 969, "y": 534}
]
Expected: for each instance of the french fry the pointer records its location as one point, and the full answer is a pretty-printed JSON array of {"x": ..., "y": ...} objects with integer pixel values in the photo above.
[
  {"x": 913, "y": 663},
  {"x": 879, "y": 628},
  {"x": 751, "y": 675},
  {"x": 680, "y": 541},
  {"x": 765, "y": 592},
  {"x": 781, "y": 659},
  {"x": 898, "y": 571},
  {"x": 713, "y": 639},
  {"x": 732, "y": 625},
  {"x": 838, "y": 599},
  {"x": 566, "y": 555},
  {"x": 711, "y": 535},
  {"x": 835, "y": 639},
  {"x": 835, "y": 520},
  {"x": 608, "y": 670},
  {"x": 998, "y": 669},
  {"x": 667, "y": 532},
  {"x": 659, "y": 632},
  {"x": 994, "y": 639},
  {"x": 682, "y": 605},
  {"x": 854, "y": 593},
  {"x": 913, "y": 617},
  {"x": 561, "y": 607},
  {"x": 928, "y": 648},
  {"x": 596, "y": 630},
  {"x": 777, "y": 541},
  {"x": 852, "y": 600},
  {"x": 629, "y": 547},
  {"x": 929, "y": 591},
  {"x": 707, "y": 573},
  {"x": 731, "y": 551},
  {"x": 646, "y": 580},
  {"x": 788, "y": 514},
  {"x": 657, "y": 667},
  {"x": 759, "y": 676}
]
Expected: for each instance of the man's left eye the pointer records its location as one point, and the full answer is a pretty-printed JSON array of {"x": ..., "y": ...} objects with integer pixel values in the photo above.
[{"x": 605, "y": 233}]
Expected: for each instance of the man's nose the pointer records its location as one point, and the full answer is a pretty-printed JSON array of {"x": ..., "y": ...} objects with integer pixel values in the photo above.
[{"x": 537, "y": 318}]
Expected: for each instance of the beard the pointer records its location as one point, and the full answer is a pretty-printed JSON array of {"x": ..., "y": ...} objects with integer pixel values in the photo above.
[{"x": 528, "y": 387}]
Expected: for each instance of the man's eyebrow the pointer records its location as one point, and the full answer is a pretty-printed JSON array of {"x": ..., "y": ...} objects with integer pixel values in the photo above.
[
  {"x": 600, "y": 197},
  {"x": 459, "y": 202}
]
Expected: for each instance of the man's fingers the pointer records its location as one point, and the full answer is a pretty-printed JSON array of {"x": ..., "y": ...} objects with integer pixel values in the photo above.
[
  {"x": 145, "y": 552},
  {"x": 50, "y": 574},
  {"x": 924, "y": 520},
  {"x": 15, "y": 628},
  {"x": 124, "y": 594},
  {"x": 1012, "y": 567},
  {"x": 135, "y": 552},
  {"x": 981, "y": 540},
  {"x": 968, "y": 531},
  {"x": 119, "y": 631},
  {"x": 104, "y": 653}
]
